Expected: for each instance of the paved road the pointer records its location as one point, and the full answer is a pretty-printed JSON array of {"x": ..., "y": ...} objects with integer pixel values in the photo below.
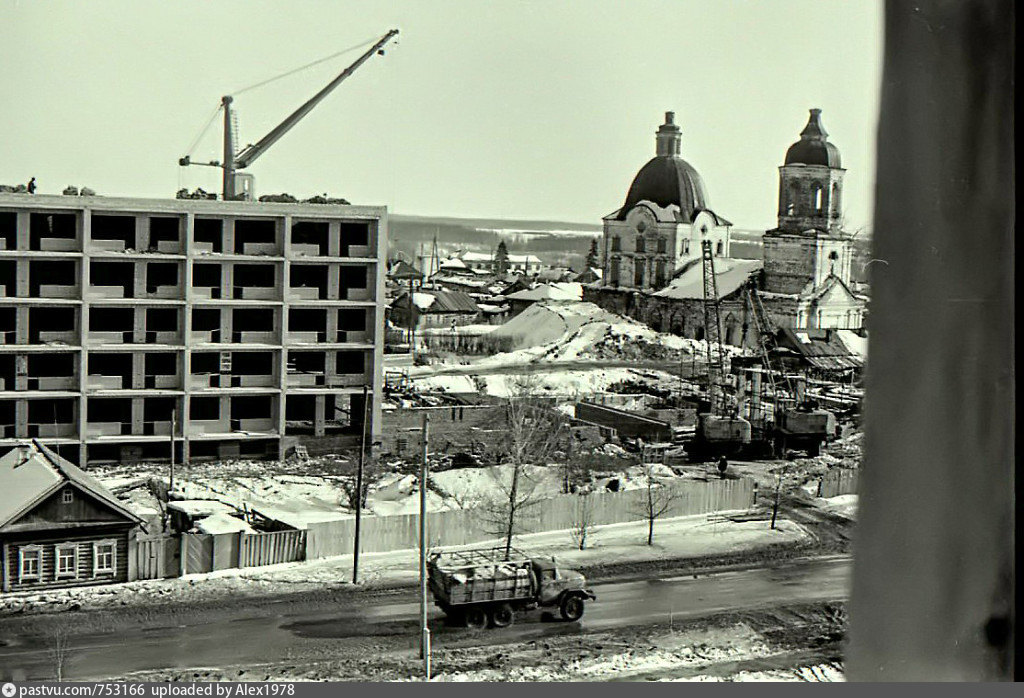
[{"x": 376, "y": 627}]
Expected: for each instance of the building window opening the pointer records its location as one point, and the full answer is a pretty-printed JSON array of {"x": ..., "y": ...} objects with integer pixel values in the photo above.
[
  {"x": 616, "y": 243},
  {"x": 104, "y": 557},
  {"x": 817, "y": 199},
  {"x": 638, "y": 274},
  {"x": 67, "y": 560},
  {"x": 29, "y": 563},
  {"x": 67, "y": 496},
  {"x": 662, "y": 245},
  {"x": 354, "y": 235},
  {"x": 719, "y": 247},
  {"x": 256, "y": 237},
  {"x": 640, "y": 246}
]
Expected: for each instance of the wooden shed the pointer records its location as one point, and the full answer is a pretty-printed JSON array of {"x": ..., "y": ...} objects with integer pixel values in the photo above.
[{"x": 59, "y": 526}]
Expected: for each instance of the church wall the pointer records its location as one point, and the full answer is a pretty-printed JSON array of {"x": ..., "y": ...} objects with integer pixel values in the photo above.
[{"x": 789, "y": 263}]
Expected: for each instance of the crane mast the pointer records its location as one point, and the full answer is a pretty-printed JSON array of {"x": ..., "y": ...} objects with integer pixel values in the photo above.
[
  {"x": 235, "y": 160},
  {"x": 712, "y": 331}
]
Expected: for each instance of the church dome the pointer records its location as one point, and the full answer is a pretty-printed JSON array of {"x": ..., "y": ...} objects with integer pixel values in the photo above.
[
  {"x": 667, "y": 179},
  {"x": 813, "y": 147}
]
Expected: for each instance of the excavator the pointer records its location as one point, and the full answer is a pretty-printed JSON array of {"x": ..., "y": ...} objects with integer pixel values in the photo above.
[{"x": 239, "y": 186}]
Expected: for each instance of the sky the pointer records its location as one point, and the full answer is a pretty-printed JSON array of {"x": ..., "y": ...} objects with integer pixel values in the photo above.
[{"x": 526, "y": 109}]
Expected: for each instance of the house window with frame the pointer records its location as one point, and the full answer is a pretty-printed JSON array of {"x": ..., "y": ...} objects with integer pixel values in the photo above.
[
  {"x": 30, "y": 562},
  {"x": 104, "y": 557},
  {"x": 66, "y": 560},
  {"x": 68, "y": 496}
]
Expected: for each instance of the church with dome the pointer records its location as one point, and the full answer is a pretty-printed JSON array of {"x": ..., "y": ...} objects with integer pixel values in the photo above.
[{"x": 652, "y": 267}]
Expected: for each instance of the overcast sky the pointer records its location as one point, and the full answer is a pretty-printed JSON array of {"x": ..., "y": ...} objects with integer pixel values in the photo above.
[{"x": 518, "y": 109}]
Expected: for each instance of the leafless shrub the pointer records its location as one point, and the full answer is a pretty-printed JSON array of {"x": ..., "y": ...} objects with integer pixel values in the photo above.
[{"x": 583, "y": 520}]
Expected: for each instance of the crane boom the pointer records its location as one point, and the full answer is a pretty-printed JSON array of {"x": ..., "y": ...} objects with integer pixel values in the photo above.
[
  {"x": 247, "y": 156},
  {"x": 236, "y": 161}
]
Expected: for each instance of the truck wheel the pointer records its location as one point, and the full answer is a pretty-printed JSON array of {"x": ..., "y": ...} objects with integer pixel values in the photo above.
[
  {"x": 502, "y": 616},
  {"x": 571, "y": 607},
  {"x": 475, "y": 618}
]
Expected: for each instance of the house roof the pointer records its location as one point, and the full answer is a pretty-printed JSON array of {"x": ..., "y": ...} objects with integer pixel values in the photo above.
[
  {"x": 730, "y": 276},
  {"x": 30, "y": 472},
  {"x": 404, "y": 270},
  {"x": 440, "y": 302},
  {"x": 823, "y": 349}
]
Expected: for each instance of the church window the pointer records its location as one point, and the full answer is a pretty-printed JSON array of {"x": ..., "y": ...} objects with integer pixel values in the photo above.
[
  {"x": 638, "y": 274},
  {"x": 817, "y": 198},
  {"x": 659, "y": 273},
  {"x": 616, "y": 243},
  {"x": 662, "y": 245},
  {"x": 718, "y": 248},
  {"x": 686, "y": 247},
  {"x": 835, "y": 199},
  {"x": 613, "y": 272},
  {"x": 640, "y": 244}
]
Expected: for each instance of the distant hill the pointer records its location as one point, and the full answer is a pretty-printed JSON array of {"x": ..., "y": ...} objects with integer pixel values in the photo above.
[{"x": 556, "y": 243}]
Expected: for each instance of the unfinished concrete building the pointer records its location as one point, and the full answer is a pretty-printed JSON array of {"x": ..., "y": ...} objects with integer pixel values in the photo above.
[{"x": 231, "y": 329}]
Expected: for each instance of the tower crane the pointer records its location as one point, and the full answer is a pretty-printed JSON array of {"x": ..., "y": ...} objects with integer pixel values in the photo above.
[{"x": 234, "y": 161}]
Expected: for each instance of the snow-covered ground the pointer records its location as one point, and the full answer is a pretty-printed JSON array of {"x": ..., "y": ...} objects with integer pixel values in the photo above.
[{"x": 844, "y": 505}]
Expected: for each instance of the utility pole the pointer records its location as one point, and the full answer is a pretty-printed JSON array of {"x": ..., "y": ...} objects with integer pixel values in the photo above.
[
  {"x": 424, "y": 630},
  {"x": 359, "y": 490}
]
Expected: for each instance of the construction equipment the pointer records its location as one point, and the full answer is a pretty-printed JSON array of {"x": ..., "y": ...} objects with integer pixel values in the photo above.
[
  {"x": 720, "y": 431},
  {"x": 485, "y": 588},
  {"x": 781, "y": 419},
  {"x": 240, "y": 186}
]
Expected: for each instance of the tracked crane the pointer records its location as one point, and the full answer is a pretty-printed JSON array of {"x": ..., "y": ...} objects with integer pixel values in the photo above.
[
  {"x": 794, "y": 422},
  {"x": 234, "y": 161},
  {"x": 720, "y": 431}
]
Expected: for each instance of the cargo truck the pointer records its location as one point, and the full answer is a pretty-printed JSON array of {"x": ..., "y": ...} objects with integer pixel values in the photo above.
[{"x": 485, "y": 588}]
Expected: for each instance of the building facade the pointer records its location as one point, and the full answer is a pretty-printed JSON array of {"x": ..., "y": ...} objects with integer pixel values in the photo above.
[
  {"x": 663, "y": 221},
  {"x": 230, "y": 328},
  {"x": 653, "y": 271}
]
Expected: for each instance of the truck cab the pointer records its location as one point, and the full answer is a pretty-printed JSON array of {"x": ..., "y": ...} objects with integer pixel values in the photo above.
[{"x": 553, "y": 581}]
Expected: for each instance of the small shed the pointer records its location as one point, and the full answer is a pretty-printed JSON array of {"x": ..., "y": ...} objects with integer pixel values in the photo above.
[{"x": 59, "y": 526}]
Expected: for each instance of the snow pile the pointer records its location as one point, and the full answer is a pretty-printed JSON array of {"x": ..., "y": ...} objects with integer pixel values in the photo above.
[
  {"x": 844, "y": 505},
  {"x": 583, "y": 331}
]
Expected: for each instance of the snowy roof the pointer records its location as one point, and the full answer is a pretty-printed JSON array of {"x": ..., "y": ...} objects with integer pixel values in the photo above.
[
  {"x": 31, "y": 472},
  {"x": 200, "y": 507},
  {"x": 223, "y": 523},
  {"x": 730, "y": 276},
  {"x": 452, "y": 263},
  {"x": 423, "y": 301},
  {"x": 569, "y": 291}
]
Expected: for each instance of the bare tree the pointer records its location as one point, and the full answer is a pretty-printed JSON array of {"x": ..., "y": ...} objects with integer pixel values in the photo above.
[
  {"x": 59, "y": 650},
  {"x": 655, "y": 502},
  {"x": 530, "y": 432},
  {"x": 373, "y": 471},
  {"x": 583, "y": 520}
]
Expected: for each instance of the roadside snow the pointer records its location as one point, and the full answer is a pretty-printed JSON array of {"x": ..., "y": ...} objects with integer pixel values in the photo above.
[{"x": 844, "y": 505}]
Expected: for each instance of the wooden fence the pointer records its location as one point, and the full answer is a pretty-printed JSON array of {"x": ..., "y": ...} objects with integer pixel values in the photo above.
[
  {"x": 153, "y": 558},
  {"x": 838, "y": 481},
  {"x": 468, "y": 526},
  {"x": 194, "y": 553}
]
